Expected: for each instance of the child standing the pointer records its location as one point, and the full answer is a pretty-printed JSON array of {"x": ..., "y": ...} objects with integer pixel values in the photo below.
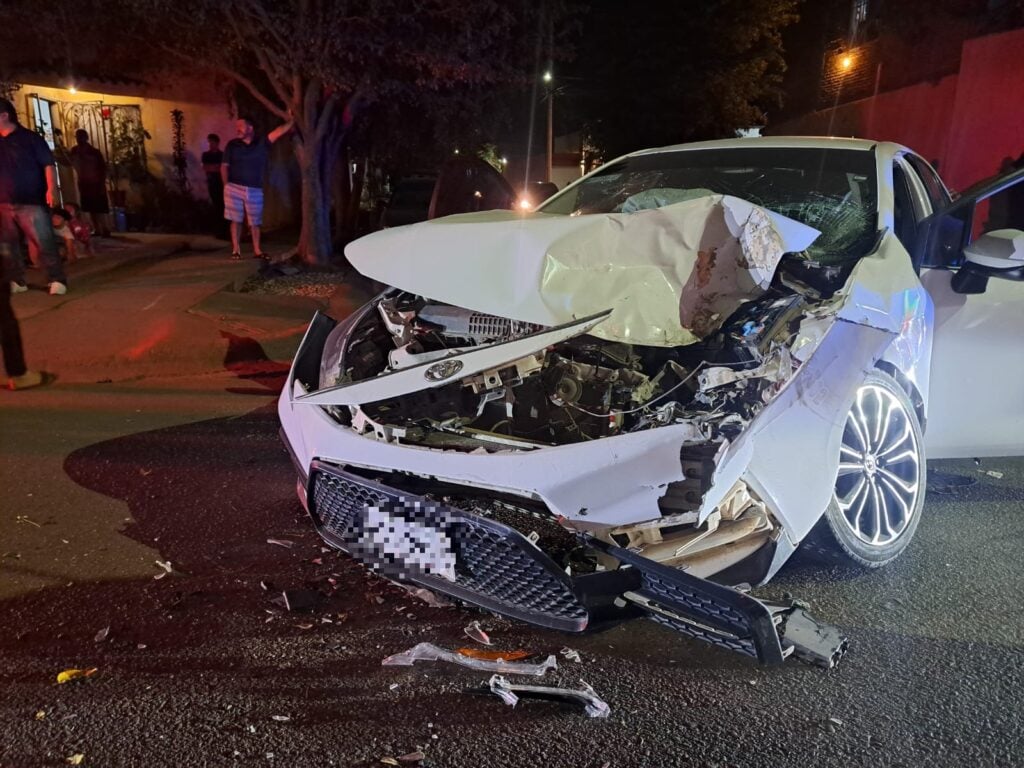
[
  {"x": 79, "y": 229},
  {"x": 60, "y": 218}
]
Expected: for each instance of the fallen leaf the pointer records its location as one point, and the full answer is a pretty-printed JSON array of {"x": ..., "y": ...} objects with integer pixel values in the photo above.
[
  {"x": 76, "y": 759},
  {"x": 75, "y": 674},
  {"x": 41, "y": 715},
  {"x": 102, "y": 635}
]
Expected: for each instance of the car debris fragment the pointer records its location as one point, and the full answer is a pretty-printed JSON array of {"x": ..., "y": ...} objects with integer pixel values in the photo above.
[
  {"x": 586, "y": 696},
  {"x": 298, "y": 600},
  {"x": 431, "y": 652},
  {"x": 571, "y": 655},
  {"x": 477, "y": 653},
  {"x": 475, "y": 632}
]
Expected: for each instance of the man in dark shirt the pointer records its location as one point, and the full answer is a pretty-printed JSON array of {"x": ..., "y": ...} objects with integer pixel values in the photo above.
[
  {"x": 91, "y": 168},
  {"x": 28, "y": 183},
  {"x": 245, "y": 162},
  {"x": 212, "y": 160}
]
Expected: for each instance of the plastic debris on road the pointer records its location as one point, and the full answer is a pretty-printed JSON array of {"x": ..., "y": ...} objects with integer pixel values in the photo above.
[
  {"x": 510, "y": 693},
  {"x": 571, "y": 655},
  {"x": 475, "y": 632},
  {"x": 75, "y": 674},
  {"x": 476, "y": 653},
  {"x": 430, "y": 652},
  {"x": 298, "y": 599},
  {"x": 432, "y": 599}
]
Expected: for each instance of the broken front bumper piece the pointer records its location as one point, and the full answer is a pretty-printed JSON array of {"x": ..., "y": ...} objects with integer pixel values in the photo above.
[{"x": 464, "y": 555}]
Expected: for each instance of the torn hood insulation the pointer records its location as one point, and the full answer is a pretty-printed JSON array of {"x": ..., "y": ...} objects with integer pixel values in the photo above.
[{"x": 670, "y": 275}]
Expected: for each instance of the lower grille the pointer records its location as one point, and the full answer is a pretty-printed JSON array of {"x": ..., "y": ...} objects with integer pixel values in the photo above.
[{"x": 496, "y": 567}]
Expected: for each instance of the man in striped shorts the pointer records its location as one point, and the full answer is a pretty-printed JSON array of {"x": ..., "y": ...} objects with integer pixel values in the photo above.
[{"x": 245, "y": 162}]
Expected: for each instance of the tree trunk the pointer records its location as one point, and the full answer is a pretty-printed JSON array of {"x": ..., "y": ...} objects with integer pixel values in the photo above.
[
  {"x": 315, "y": 235},
  {"x": 356, "y": 197}
]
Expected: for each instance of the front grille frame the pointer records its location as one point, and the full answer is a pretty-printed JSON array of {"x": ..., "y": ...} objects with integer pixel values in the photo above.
[{"x": 534, "y": 589}]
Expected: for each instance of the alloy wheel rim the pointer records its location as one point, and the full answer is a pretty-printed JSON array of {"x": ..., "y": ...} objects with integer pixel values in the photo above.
[{"x": 878, "y": 484}]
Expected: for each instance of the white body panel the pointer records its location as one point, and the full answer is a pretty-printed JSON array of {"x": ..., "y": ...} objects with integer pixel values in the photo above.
[{"x": 977, "y": 390}]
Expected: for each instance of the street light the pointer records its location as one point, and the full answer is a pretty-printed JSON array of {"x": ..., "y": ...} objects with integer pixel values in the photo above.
[{"x": 551, "y": 124}]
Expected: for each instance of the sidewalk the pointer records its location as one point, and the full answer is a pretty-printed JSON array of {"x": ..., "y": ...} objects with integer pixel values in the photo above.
[{"x": 112, "y": 255}]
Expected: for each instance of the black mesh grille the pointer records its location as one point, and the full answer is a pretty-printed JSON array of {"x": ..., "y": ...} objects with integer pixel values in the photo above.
[
  {"x": 337, "y": 501},
  {"x": 496, "y": 566},
  {"x": 698, "y": 606}
]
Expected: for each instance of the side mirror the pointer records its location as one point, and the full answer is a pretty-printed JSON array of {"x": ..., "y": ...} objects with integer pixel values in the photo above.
[{"x": 999, "y": 253}]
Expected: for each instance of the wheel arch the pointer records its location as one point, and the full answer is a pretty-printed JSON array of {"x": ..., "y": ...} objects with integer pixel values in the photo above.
[{"x": 916, "y": 398}]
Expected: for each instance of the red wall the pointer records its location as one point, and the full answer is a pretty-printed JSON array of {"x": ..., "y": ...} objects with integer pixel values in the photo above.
[
  {"x": 989, "y": 110},
  {"x": 969, "y": 122}
]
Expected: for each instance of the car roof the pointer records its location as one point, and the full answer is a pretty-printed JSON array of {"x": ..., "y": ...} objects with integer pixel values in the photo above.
[{"x": 779, "y": 142}]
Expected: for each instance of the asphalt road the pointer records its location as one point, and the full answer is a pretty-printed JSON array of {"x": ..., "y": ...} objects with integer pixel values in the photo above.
[{"x": 104, "y": 475}]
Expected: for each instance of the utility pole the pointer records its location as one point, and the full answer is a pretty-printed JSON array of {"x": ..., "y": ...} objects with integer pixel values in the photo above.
[{"x": 551, "y": 125}]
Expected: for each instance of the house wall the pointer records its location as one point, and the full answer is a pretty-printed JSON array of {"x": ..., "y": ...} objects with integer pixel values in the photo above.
[
  {"x": 205, "y": 111},
  {"x": 969, "y": 122}
]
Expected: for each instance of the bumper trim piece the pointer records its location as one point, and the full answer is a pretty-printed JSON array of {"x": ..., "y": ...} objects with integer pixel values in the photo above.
[{"x": 719, "y": 615}]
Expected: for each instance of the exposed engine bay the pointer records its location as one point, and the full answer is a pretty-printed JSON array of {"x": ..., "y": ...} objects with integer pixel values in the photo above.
[{"x": 580, "y": 389}]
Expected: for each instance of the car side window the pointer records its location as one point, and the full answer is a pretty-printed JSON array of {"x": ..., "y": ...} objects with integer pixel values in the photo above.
[
  {"x": 904, "y": 215},
  {"x": 937, "y": 193}
]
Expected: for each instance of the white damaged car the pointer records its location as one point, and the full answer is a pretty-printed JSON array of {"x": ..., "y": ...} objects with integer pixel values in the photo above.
[{"x": 643, "y": 397}]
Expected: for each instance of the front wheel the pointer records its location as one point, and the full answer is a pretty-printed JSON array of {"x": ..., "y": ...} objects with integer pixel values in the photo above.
[{"x": 880, "y": 485}]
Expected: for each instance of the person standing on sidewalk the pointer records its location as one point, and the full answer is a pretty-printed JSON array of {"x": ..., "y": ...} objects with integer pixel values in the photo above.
[
  {"x": 18, "y": 375},
  {"x": 28, "y": 184},
  {"x": 91, "y": 169},
  {"x": 212, "y": 160},
  {"x": 245, "y": 162}
]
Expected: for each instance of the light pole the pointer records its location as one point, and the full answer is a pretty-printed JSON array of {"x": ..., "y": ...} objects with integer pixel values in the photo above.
[{"x": 551, "y": 125}]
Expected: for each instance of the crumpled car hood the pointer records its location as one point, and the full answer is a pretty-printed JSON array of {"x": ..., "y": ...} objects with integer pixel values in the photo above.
[{"x": 671, "y": 275}]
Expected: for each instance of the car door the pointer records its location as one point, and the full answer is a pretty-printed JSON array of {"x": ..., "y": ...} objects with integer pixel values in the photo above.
[{"x": 976, "y": 398}]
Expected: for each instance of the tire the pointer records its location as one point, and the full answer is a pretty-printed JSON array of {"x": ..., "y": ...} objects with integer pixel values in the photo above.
[{"x": 880, "y": 485}]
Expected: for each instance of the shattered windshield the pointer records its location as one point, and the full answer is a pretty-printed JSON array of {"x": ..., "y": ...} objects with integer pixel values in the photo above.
[{"x": 832, "y": 190}]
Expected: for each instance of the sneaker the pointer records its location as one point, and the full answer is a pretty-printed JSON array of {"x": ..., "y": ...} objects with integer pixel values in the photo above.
[
  {"x": 18, "y": 287},
  {"x": 58, "y": 289},
  {"x": 25, "y": 381}
]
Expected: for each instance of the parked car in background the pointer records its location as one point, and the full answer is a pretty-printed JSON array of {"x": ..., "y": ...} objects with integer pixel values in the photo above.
[
  {"x": 645, "y": 396},
  {"x": 463, "y": 185}
]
